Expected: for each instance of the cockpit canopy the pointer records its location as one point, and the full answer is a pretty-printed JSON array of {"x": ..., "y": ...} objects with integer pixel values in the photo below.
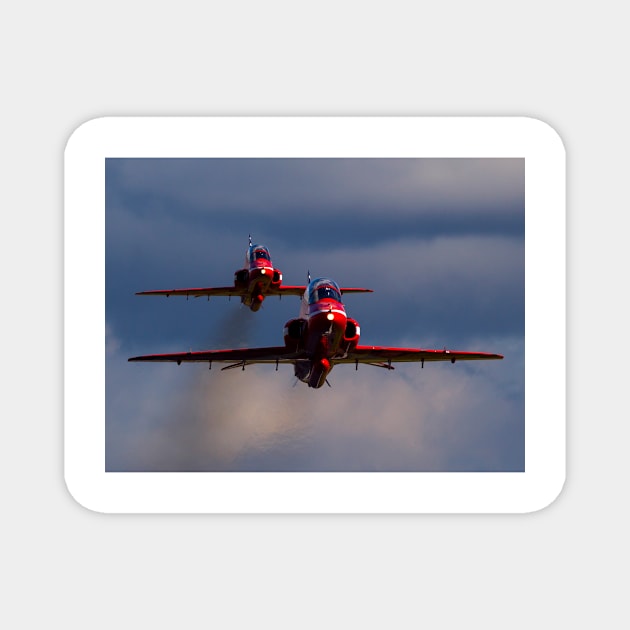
[
  {"x": 322, "y": 288},
  {"x": 257, "y": 252}
]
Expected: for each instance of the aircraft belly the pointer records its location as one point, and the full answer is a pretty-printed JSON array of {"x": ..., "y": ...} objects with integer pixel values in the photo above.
[
  {"x": 325, "y": 331},
  {"x": 319, "y": 371}
]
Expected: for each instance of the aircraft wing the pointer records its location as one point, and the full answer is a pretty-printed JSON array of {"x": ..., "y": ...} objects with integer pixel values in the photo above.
[
  {"x": 354, "y": 290},
  {"x": 379, "y": 354},
  {"x": 236, "y": 291},
  {"x": 226, "y": 291},
  {"x": 239, "y": 356},
  {"x": 285, "y": 289}
]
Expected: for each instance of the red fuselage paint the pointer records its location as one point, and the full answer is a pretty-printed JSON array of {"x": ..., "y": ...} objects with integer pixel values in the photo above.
[
  {"x": 325, "y": 326},
  {"x": 260, "y": 275}
]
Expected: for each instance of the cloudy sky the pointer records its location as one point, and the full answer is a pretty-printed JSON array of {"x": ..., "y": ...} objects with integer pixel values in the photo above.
[{"x": 441, "y": 243}]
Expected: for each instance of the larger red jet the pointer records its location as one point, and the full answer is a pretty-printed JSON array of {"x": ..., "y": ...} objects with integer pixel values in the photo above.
[
  {"x": 252, "y": 283},
  {"x": 321, "y": 336}
]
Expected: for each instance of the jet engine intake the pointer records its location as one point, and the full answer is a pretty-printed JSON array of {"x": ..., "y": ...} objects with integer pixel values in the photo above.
[
  {"x": 294, "y": 331},
  {"x": 276, "y": 278},
  {"x": 351, "y": 335},
  {"x": 241, "y": 277}
]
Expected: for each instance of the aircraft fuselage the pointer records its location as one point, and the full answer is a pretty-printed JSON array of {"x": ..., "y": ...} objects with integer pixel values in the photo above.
[
  {"x": 321, "y": 332},
  {"x": 257, "y": 276}
]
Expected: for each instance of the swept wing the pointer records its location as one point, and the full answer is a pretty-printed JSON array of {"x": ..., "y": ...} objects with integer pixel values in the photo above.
[
  {"x": 239, "y": 291},
  {"x": 222, "y": 291},
  {"x": 377, "y": 354},
  {"x": 239, "y": 355},
  {"x": 361, "y": 354}
]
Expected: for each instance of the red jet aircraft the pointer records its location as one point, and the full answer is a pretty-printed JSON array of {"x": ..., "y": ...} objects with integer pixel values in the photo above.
[
  {"x": 321, "y": 336},
  {"x": 252, "y": 283}
]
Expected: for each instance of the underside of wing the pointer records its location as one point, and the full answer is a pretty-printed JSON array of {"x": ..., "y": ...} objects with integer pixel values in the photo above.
[
  {"x": 286, "y": 290},
  {"x": 238, "y": 291},
  {"x": 209, "y": 291},
  {"x": 240, "y": 356},
  {"x": 355, "y": 290},
  {"x": 378, "y": 354}
]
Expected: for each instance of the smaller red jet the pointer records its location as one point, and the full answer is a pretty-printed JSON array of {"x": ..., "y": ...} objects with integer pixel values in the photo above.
[
  {"x": 321, "y": 336},
  {"x": 252, "y": 284}
]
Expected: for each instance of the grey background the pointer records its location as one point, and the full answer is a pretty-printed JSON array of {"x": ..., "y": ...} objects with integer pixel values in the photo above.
[{"x": 64, "y": 64}]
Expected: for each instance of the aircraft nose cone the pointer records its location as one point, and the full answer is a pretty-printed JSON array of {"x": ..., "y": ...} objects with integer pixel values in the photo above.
[{"x": 326, "y": 327}]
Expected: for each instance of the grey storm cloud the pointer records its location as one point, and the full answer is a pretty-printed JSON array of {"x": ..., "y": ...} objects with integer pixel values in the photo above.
[
  {"x": 194, "y": 419},
  {"x": 290, "y": 185},
  {"x": 429, "y": 268}
]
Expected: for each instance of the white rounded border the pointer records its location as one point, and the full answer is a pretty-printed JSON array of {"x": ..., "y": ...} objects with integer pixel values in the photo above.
[{"x": 545, "y": 305}]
